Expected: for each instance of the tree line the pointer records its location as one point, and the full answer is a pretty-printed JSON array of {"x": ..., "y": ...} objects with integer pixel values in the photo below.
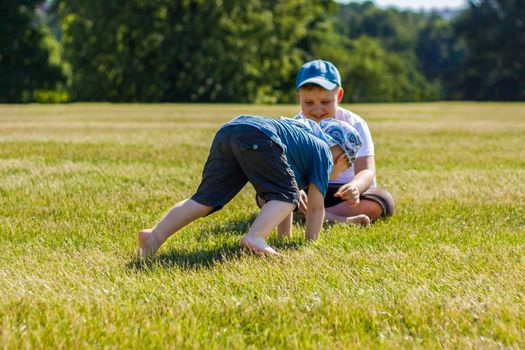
[{"x": 249, "y": 51}]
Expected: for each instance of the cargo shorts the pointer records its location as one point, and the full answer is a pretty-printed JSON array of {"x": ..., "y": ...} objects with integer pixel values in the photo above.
[{"x": 240, "y": 154}]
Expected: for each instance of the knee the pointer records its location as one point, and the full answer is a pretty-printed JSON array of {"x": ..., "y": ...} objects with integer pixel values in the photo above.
[
  {"x": 382, "y": 198},
  {"x": 388, "y": 204}
]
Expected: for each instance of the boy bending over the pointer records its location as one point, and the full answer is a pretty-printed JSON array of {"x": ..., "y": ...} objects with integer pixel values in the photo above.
[{"x": 279, "y": 158}]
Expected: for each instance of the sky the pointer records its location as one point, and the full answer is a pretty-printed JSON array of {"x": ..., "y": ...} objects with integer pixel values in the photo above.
[{"x": 416, "y": 4}]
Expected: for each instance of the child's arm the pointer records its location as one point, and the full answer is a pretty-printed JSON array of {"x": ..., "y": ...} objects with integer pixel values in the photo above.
[
  {"x": 314, "y": 213},
  {"x": 365, "y": 170}
]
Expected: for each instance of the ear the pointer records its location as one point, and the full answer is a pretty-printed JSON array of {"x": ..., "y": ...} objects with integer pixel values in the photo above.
[
  {"x": 340, "y": 94},
  {"x": 340, "y": 157},
  {"x": 298, "y": 96}
]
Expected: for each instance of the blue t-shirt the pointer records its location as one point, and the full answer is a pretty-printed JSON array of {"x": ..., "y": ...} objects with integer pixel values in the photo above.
[{"x": 309, "y": 156}]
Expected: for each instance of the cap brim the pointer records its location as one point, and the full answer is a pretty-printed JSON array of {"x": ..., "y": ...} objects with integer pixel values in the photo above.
[{"x": 325, "y": 84}]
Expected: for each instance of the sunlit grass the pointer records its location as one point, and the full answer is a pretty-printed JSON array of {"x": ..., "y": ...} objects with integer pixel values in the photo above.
[{"x": 78, "y": 181}]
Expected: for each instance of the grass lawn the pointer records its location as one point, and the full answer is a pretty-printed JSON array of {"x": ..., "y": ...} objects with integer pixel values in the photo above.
[{"x": 78, "y": 181}]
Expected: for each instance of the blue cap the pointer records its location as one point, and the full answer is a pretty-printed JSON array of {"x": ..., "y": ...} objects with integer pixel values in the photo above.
[{"x": 319, "y": 72}]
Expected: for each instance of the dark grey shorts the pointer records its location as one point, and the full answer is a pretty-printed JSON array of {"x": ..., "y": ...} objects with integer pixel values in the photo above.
[
  {"x": 382, "y": 197},
  {"x": 241, "y": 154}
]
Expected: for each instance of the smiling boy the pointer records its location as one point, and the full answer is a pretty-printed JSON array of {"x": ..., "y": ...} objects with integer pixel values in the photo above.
[{"x": 319, "y": 92}]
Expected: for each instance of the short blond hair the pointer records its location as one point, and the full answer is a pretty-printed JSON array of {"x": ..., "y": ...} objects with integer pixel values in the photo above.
[{"x": 311, "y": 86}]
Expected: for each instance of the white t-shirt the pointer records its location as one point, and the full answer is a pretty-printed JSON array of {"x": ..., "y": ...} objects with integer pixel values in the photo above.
[{"x": 367, "y": 148}]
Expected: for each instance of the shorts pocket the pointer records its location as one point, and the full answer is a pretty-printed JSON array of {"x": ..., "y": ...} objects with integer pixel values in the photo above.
[{"x": 255, "y": 144}]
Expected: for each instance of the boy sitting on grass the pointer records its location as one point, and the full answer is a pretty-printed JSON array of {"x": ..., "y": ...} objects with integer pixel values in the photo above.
[
  {"x": 319, "y": 92},
  {"x": 279, "y": 158}
]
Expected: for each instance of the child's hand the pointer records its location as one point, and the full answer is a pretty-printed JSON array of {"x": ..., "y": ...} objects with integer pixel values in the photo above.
[
  {"x": 350, "y": 193},
  {"x": 303, "y": 203}
]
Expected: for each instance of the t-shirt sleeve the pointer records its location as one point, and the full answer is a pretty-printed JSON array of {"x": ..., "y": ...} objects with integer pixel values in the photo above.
[
  {"x": 367, "y": 148},
  {"x": 321, "y": 166}
]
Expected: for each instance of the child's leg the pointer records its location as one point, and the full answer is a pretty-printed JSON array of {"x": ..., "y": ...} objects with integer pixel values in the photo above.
[
  {"x": 367, "y": 207},
  {"x": 285, "y": 227},
  {"x": 271, "y": 214},
  {"x": 360, "y": 219},
  {"x": 179, "y": 216}
]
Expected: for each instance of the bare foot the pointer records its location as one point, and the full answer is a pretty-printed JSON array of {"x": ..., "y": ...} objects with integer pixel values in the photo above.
[
  {"x": 361, "y": 219},
  {"x": 148, "y": 244},
  {"x": 258, "y": 245}
]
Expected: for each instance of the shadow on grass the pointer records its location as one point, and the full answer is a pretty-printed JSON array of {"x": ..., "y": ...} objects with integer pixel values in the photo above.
[
  {"x": 232, "y": 227},
  {"x": 207, "y": 258}
]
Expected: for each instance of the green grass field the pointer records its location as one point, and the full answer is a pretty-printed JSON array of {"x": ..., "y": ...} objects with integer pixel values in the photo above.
[{"x": 78, "y": 181}]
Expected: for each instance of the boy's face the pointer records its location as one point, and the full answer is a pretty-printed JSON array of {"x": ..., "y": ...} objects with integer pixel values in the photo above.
[{"x": 318, "y": 103}]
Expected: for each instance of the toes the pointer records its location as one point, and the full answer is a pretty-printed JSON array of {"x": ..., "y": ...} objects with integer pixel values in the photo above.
[{"x": 365, "y": 220}]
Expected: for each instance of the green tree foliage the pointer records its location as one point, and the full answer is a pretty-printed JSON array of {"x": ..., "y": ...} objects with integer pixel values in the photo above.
[
  {"x": 249, "y": 51},
  {"x": 440, "y": 54},
  {"x": 185, "y": 50},
  {"x": 374, "y": 74},
  {"x": 380, "y": 62},
  {"x": 494, "y": 33},
  {"x": 396, "y": 30},
  {"x": 24, "y": 59}
]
